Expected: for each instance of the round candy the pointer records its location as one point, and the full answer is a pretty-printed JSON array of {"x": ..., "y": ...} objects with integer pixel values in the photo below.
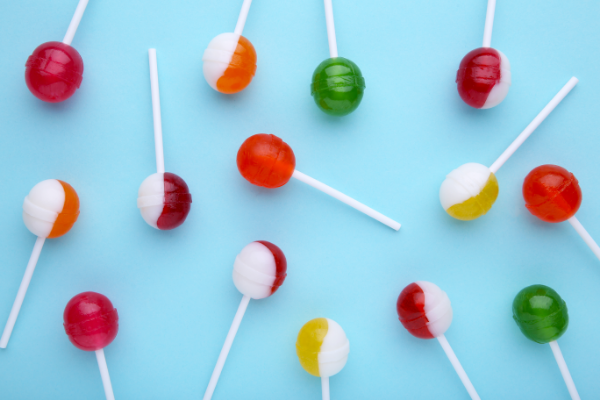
[
  {"x": 322, "y": 347},
  {"x": 551, "y": 193},
  {"x": 337, "y": 86},
  {"x": 91, "y": 321},
  {"x": 51, "y": 208},
  {"x": 540, "y": 313},
  {"x": 266, "y": 160},
  {"x": 469, "y": 191},
  {"x": 54, "y": 72},
  {"x": 483, "y": 78},
  {"x": 259, "y": 269},
  {"x": 424, "y": 310},
  {"x": 229, "y": 63},
  {"x": 164, "y": 200}
]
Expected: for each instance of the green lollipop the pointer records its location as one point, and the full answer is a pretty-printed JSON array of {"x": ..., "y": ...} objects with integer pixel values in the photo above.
[{"x": 540, "y": 313}]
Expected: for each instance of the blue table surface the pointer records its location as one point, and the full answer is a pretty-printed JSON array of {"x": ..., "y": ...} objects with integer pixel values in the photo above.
[{"x": 173, "y": 289}]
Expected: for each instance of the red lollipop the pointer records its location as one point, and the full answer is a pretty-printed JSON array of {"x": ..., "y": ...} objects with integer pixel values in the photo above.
[
  {"x": 553, "y": 195},
  {"x": 266, "y": 160},
  {"x": 54, "y": 71},
  {"x": 92, "y": 323}
]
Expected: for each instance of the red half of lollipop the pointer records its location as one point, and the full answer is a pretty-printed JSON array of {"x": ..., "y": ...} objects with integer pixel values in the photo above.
[{"x": 91, "y": 321}]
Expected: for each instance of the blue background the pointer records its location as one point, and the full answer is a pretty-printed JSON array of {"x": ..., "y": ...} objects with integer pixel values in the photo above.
[{"x": 173, "y": 289}]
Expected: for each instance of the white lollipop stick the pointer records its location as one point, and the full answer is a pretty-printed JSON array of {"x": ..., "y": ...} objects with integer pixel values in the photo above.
[
  {"x": 489, "y": 23},
  {"x": 459, "y": 369},
  {"x": 75, "y": 21},
  {"x": 104, "y": 374},
  {"x": 534, "y": 124},
  {"x": 346, "y": 199},
  {"x": 585, "y": 236},
  {"x": 239, "y": 27},
  {"x": 325, "y": 387},
  {"x": 237, "y": 320},
  {"x": 158, "y": 140},
  {"x": 14, "y": 312},
  {"x": 333, "y": 52},
  {"x": 564, "y": 370}
]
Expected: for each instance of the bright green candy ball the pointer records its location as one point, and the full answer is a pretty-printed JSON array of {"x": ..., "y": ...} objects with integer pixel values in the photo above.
[
  {"x": 337, "y": 86},
  {"x": 540, "y": 313}
]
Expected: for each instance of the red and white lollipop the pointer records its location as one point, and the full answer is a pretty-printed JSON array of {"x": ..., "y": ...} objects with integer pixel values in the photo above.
[
  {"x": 164, "y": 199},
  {"x": 49, "y": 211},
  {"x": 425, "y": 311},
  {"x": 258, "y": 271}
]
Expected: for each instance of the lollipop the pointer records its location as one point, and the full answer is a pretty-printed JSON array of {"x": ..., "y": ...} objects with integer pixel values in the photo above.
[
  {"x": 337, "y": 83},
  {"x": 163, "y": 198},
  {"x": 425, "y": 311},
  {"x": 553, "y": 195},
  {"x": 469, "y": 191},
  {"x": 483, "y": 77},
  {"x": 54, "y": 71},
  {"x": 322, "y": 348},
  {"x": 258, "y": 271},
  {"x": 230, "y": 59},
  {"x": 267, "y": 161},
  {"x": 542, "y": 316},
  {"x": 49, "y": 211},
  {"x": 92, "y": 323}
]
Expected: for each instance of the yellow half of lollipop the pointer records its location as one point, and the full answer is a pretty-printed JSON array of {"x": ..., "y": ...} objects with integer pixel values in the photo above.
[{"x": 322, "y": 347}]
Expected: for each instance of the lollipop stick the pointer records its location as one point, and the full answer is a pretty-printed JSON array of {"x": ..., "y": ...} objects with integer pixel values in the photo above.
[
  {"x": 75, "y": 22},
  {"x": 14, "y": 312},
  {"x": 564, "y": 370},
  {"x": 346, "y": 199},
  {"x": 104, "y": 374},
  {"x": 585, "y": 236},
  {"x": 489, "y": 23},
  {"x": 239, "y": 27},
  {"x": 333, "y": 52},
  {"x": 459, "y": 369},
  {"x": 158, "y": 140},
  {"x": 237, "y": 320},
  {"x": 325, "y": 387},
  {"x": 534, "y": 124}
]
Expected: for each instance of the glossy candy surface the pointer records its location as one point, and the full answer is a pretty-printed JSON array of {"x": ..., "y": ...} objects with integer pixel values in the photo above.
[
  {"x": 229, "y": 63},
  {"x": 164, "y": 200},
  {"x": 266, "y": 160},
  {"x": 540, "y": 313},
  {"x": 91, "y": 321},
  {"x": 337, "y": 86},
  {"x": 322, "y": 347},
  {"x": 469, "y": 191},
  {"x": 551, "y": 193},
  {"x": 54, "y": 72},
  {"x": 259, "y": 270},
  {"x": 424, "y": 310},
  {"x": 51, "y": 208},
  {"x": 483, "y": 78}
]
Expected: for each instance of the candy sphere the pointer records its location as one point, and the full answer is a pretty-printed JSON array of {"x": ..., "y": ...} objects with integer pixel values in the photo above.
[
  {"x": 51, "y": 208},
  {"x": 424, "y": 310},
  {"x": 229, "y": 63},
  {"x": 540, "y": 313},
  {"x": 322, "y": 347},
  {"x": 483, "y": 78},
  {"x": 54, "y": 72},
  {"x": 337, "y": 86},
  {"x": 164, "y": 200},
  {"x": 266, "y": 160},
  {"x": 91, "y": 321},
  {"x": 551, "y": 193},
  {"x": 259, "y": 269},
  {"x": 469, "y": 191}
]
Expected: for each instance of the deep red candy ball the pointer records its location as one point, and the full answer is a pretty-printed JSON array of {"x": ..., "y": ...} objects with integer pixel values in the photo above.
[
  {"x": 91, "y": 321},
  {"x": 478, "y": 73},
  {"x": 54, "y": 71},
  {"x": 551, "y": 193}
]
